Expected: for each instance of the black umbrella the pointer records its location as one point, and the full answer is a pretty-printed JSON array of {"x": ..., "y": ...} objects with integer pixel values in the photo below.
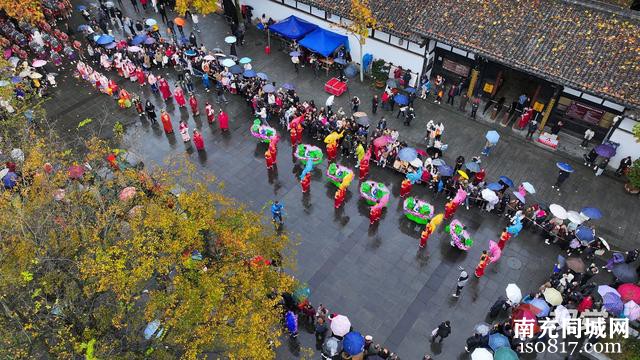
[
  {"x": 432, "y": 151},
  {"x": 625, "y": 273},
  {"x": 361, "y": 118}
]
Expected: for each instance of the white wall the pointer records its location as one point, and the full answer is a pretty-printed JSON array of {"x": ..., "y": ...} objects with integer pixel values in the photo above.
[
  {"x": 378, "y": 49},
  {"x": 628, "y": 145}
]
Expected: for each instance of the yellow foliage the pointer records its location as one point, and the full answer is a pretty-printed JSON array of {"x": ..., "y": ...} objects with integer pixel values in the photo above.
[
  {"x": 108, "y": 267},
  {"x": 203, "y": 7},
  {"x": 28, "y": 10}
]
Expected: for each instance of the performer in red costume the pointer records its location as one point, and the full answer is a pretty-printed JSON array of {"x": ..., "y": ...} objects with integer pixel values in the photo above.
[
  {"x": 405, "y": 187},
  {"x": 193, "y": 103},
  {"x": 268, "y": 158},
  {"x": 223, "y": 120},
  {"x": 332, "y": 151},
  {"x": 339, "y": 198},
  {"x": 482, "y": 265},
  {"x": 450, "y": 209},
  {"x": 504, "y": 237},
  {"x": 306, "y": 183},
  {"x": 374, "y": 214}
]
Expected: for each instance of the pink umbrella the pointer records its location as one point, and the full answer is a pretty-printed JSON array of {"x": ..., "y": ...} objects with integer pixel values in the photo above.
[
  {"x": 127, "y": 193},
  {"x": 494, "y": 251},
  {"x": 76, "y": 172},
  {"x": 382, "y": 141},
  {"x": 7, "y": 53},
  {"x": 38, "y": 63}
]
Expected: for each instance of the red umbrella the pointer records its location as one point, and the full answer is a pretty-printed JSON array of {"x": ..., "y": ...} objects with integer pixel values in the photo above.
[
  {"x": 629, "y": 292},
  {"x": 585, "y": 304},
  {"x": 529, "y": 308},
  {"x": 522, "y": 312},
  {"x": 76, "y": 172}
]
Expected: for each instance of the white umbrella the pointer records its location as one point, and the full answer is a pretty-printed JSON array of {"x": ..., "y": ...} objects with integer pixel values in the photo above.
[
  {"x": 513, "y": 293},
  {"x": 35, "y": 75},
  {"x": 529, "y": 188},
  {"x": 489, "y": 195},
  {"x": 632, "y": 310},
  {"x": 134, "y": 48},
  {"x": 38, "y": 63},
  {"x": 481, "y": 354},
  {"x": 604, "y": 243},
  {"x": 603, "y": 289},
  {"x": 209, "y": 57},
  {"x": 230, "y": 39},
  {"x": 24, "y": 73},
  {"x": 3, "y": 172},
  {"x": 416, "y": 163},
  {"x": 340, "y": 325},
  {"x": 562, "y": 315},
  {"x": 558, "y": 211},
  {"x": 575, "y": 217},
  {"x": 17, "y": 155}
]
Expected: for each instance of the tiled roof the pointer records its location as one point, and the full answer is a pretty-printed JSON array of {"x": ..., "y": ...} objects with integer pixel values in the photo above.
[{"x": 586, "y": 47}]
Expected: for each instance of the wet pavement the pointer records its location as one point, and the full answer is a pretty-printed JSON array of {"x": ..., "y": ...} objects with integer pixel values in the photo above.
[{"x": 374, "y": 275}]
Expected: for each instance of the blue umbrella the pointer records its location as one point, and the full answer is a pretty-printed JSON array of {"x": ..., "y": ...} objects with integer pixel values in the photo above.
[
  {"x": 340, "y": 61},
  {"x": 138, "y": 39},
  {"x": 249, "y": 73},
  {"x": 472, "y": 166},
  {"x": 625, "y": 272},
  {"x": 190, "y": 52},
  {"x": 497, "y": 341},
  {"x": 228, "y": 63},
  {"x": 542, "y": 305},
  {"x": 591, "y": 213},
  {"x": 150, "y": 22},
  {"x": 110, "y": 45},
  {"x": 605, "y": 150},
  {"x": 288, "y": 86},
  {"x": 401, "y": 99},
  {"x": 353, "y": 343},
  {"x": 292, "y": 322},
  {"x": 262, "y": 76},
  {"x": 584, "y": 233},
  {"x": 236, "y": 69},
  {"x": 294, "y": 53},
  {"x": 83, "y": 27},
  {"x": 410, "y": 90},
  {"x": 445, "y": 170},
  {"x": 16, "y": 79},
  {"x": 269, "y": 88},
  {"x": 149, "y": 40},
  {"x": 492, "y": 136},
  {"x": 438, "y": 162},
  {"x": 506, "y": 180},
  {"x": 104, "y": 39},
  {"x": 10, "y": 180},
  {"x": 564, "y": 167},
  {"x": 494, "y": 186},
  {"x": 612, "y": 303},
  {"x": 407, "y": 154},
  {"x": 81, "y": 8},
  {"x": 245, "y": 60}
]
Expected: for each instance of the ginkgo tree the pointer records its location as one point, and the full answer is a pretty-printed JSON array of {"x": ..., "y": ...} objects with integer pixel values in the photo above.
[
  {"x": 362, "y": 21},
  {"x": 203, "y": 7},
  {"x": 107, "y": 261},
  {"x": 27, "y": 10}
]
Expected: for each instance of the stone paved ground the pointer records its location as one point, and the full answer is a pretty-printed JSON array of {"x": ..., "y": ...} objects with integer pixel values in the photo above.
[{"x": 375, "y": 276}]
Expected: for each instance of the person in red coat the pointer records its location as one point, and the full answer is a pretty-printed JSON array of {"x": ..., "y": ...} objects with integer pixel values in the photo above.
[
  {"x": 374, "y": 214},
  {"x": 198, "y": 140},
  {"x": 299, "y": 134},
  {"x": 332, "y": 151},
  {"x": 364, "y": 168},
  {"x": 482, "y": 265},
  {"x": 293, "y": 133},
  {"x": 306, "y": 183},
  {"x": 273, "y": 147},
  {"x": 210, "y": 112},
  {"x": 166, "y": 122},
  {"x": 339, "y": 197},
  {"x": 504, "y": 237},
  {"x": 450, "y": 209},
  {"x": 525, "y": 118},
  {"x": 141, "y": 76},
  {"x": 268, "y": 158},
  {"x": 163, "y": 85},
  {"x": 405, "y": 187},
  {"x": 178, "y": 94},
  {"x": 193, "y": 103},
  {"x": 223, "y": 120},
  {"x": 424, "y": 236}
]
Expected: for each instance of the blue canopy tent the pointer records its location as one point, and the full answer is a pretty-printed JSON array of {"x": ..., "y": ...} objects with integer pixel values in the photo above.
[
  {"x": 292, "y": 28},
  {"x": 324, "y": 42}
]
